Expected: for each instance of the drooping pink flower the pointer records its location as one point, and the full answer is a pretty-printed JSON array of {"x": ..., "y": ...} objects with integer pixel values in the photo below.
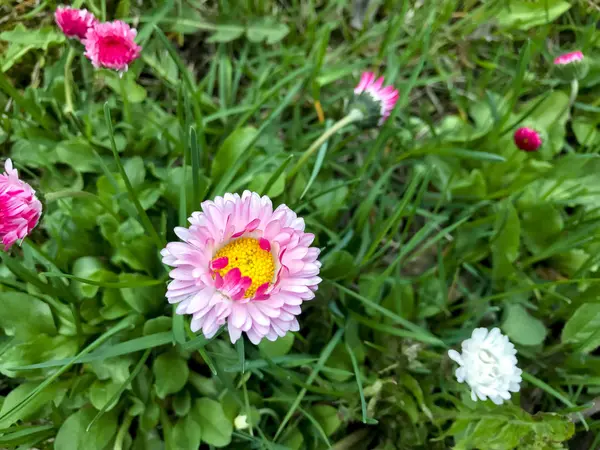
[
  {"x": 243, "y": 264},
  {"x": 74, "y": 22},
  {"x": 568, "y": 58},
  {"x": 527, "y": 139},
  {"x": 112, "y": 45},
  {"x": 380, "y": 100},
  {"x": 20, "y": 209}
]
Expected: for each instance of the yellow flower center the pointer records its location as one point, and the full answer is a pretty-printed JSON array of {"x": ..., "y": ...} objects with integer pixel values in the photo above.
[{"x": 254, "y": 262}]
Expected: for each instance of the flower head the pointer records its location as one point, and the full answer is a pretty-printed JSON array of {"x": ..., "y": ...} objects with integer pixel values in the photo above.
[
  {"x": 373, "y": 100},
  {"x": 243, "y": 264},
  {"x": 74, "y": 22},
  {"x": 112, "y": 45},
  {"x": 570, "y": 66},
  {"x": 20, "y": 209},
  {"x": 527, "y": 139},
  {"x": 489, "y": 366}
]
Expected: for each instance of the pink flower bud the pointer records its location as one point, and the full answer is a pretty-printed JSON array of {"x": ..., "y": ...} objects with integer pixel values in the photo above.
[
  {"x": 20, "y": 209},
  {"x": 112, "y": 45},
  {"x": 527, "y": 139},
  {"x": 568, "y": 58},
  {"x": 373, "y": 99},
  {"x": 73, "y": 22}
]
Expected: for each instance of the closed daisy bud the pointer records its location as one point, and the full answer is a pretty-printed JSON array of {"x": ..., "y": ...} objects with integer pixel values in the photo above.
[
  {"x": 527, "y": 139},
  {"x": 73, "y": 22},
  {"x": 488, "y": 365},
  {"x": 111, "y": 45},
  {"x": 20, "y": 209},
  {"x": 571, "y": 66},
  {"x": 375, "y": 101},
  {"x": 243, "y": 264}
]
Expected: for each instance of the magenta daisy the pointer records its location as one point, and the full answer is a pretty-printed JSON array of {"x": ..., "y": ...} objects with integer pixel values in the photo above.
[
  {"x": 74, "y": 22},
  {"x": 20, "y": 209},
  {"x": 373, "y": 99},
  {"x": 243, "y": 264},
  {"x": 527, "y": 139},
  {"x": 568, "y": 58},
  {"x": 112, "y": 45},
  {"x": 571, "y": 66}
]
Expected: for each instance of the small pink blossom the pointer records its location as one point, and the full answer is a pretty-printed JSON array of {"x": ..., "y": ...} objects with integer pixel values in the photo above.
[
  {"x": 112, "y": 45},
  {"x": 385, "y": 97},
  {"x": 568, "y": 58},
  {"x": 20, "y": 209},
  {"x": 527, "y": 139},
  {"x": 74, "y": 22},
  {"x": 243, "y": 264}
]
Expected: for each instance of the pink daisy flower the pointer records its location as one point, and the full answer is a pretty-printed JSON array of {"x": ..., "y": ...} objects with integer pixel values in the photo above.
[
  {"x": 20, "y": 209},
  {"x": 527, "y": 139},
  {"x": 74, "y": 22},
  {"x": 243, "y": 264},
  {"x": 568, "y": 58},
  {"x": 379, "y": 100},
  {"x": 112, "y": 45}
]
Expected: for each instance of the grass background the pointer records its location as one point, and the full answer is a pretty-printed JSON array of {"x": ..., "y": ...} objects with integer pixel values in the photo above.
[{"x": 430, "y": 226}]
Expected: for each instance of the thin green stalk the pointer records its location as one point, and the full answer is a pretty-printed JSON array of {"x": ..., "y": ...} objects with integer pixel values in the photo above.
[
  {"x": 68, "y": 109},
  {"x": 353, "y": 116},
  {"x": 123, "y": 432},
  {"x": 126, "y": 107}
]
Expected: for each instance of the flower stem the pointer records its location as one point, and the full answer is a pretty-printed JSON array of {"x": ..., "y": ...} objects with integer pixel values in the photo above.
[
  {"x": 353, "y": 116},
  {"x": 573, "y": 96},
  {"x": 126, "y": 108},
  {"x": 68, "y": 109},
  {"x": 122, "y": 432}
]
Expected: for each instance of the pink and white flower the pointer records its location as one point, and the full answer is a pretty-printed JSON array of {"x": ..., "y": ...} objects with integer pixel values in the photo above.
[
  {"x": 20, "y": 209},
  {"x": 74, "y": 22},
  {"x": 112, "y": 45},
  {"x": 384, "y": 97},
  {"x": 568, "y": 58},
  {"x": 243, "y": 264},
  {"x": 527, "y": 139}
]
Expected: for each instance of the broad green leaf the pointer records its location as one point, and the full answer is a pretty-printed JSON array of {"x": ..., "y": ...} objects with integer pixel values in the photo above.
[
  {"x": 339, "y": 265},
  {"x": 226, "y": 33},
  {"x": 101, "y": 392},
  {"x": 73, "y": 435},
  {"x": 268, "y": 29},
  {"x": 144, "y": 299},
  {"x": 170, "y": 372},
  {"x": 186, "y": 434},
  {"x": 217, "y": 429},
  {"x": 38, "y": 38},
  {"x": 328, "y": 418},
  {"x": 586, "y": 131},
  {"x": 78, "y": 154},
  {"x": 583, "y": 328},
  {"x": 521, "y": 327},
  {"x": 14, "y": 397},
  {"x": 529, "y": 14},
  {"x": 279, "y": 347},
  {"x": 42, "y": 348},
  {"x": 232, "y": 148},
  {"x": 25, "y": 316},
  {"x": 506, "y": 239}
]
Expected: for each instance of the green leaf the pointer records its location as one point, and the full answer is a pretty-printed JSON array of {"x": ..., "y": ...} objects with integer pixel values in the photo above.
[
  {"x": 583, "y": 328},
  {"x": 232, "y": 148},
  {"x": 521, "y": 327},
  {"x": 328, "y": 418},
  {"x": 38, "y": 38},
  {"x": 101, "y": 392},
  {"x": 18, "y": 394},
  {"x": 586, "y": 131},
  {"x": 267, "y": 29},
  {"x": 216, "y": 428},
  {"x": 78, "y": 154},
  {"x": 25, "y": 316},
  {"x": 506, "y": 240},
  {"x": 73, "y": 435},
  {"x": 171, "y": 373},
  {"x": 339, "y": 265},
  {"x": 186, "y": 434},
  {"x": 143, "y": 299},
  {"x": 226, "y": 33},
  {"x": 278, "y": 347},
  {"x": 529, "y": 14}
]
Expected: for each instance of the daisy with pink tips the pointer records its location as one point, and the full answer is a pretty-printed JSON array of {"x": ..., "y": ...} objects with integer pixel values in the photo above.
[
  {"x": 20, "y": 210},
  {"x": 384, "y": 98},
  {"x": 112, "y": 45},
  {"x": 568, "y": 58},
  {"x": 527, "y": 139},
  {"x": 245, "y": 265},
  {"x": 571, "y": 66},
  {"x": 73, "y": 22}
]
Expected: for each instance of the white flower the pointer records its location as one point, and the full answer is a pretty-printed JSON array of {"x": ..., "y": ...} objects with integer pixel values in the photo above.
[
  {"x": 241, "y": 422},
  {"x": 489, "y": 366}
]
